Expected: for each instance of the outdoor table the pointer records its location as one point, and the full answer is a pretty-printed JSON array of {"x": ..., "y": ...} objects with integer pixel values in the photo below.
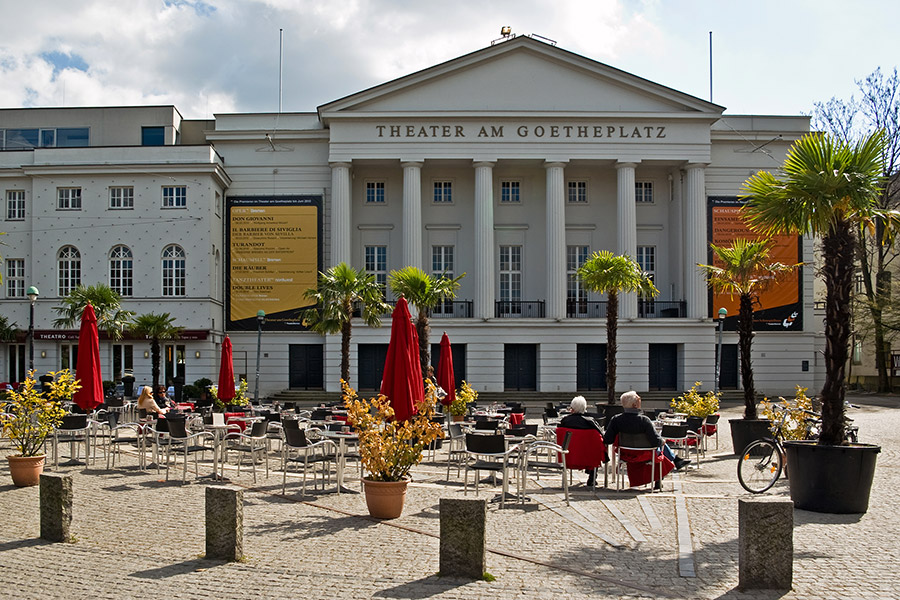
[
  {"x": 218, "y": 432},
  {"x": 342, "y": 439},
  {"x": 185, "y": 406}
]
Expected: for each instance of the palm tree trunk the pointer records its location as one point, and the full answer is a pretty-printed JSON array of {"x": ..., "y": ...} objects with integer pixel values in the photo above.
[
  {"x": 423, "y": 329},
  {"x": 745, "y": 339},
  {"x": 345, "y": 351},
  {"x": 154, "y": 367},
  {"x": 612, "y": 318},
  {"x": 837, "y": 270}
]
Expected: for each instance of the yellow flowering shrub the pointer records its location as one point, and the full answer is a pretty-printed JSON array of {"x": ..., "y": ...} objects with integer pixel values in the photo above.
[
  {"x": 240, "y": 396},
  {"x": 389, "y": 448},
  {"x": 30, "y": 415},
  {"x": 796, "y": 423},
  {"x": 464, "y": 396},
  {"x": 695, "y": 404}
]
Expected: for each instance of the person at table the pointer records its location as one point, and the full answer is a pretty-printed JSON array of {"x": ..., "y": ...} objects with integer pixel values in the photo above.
[
  {"x": 146, "y": 402},
  {"x": 632, "y": 420},
  {"x": 576, "y": 419}
]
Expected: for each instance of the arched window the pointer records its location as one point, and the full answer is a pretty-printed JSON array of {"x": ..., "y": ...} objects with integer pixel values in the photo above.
[
  {"x": 69, "y": 269},
  {"x": 173, "y": 271},
  {"x": 121, "y": 270}
]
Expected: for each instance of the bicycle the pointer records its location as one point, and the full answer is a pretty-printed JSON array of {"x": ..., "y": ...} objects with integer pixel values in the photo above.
[{"x": 762, "y": 461}]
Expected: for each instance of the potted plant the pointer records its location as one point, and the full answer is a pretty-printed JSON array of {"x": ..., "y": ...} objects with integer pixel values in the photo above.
[
  {"x": 829, "y": 188},
  {"x": 696, "y": 405},
  {"x": 29, "y": 416},
  {"x": 388, "y": 448},
  {"x": 795, "y": 425},
  {"x": 460, "y": 405},
  {"x": 237, "y": 403}
]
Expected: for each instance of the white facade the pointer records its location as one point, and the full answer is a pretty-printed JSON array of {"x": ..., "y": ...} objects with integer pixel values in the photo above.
[{"x": 511, "y": 160}]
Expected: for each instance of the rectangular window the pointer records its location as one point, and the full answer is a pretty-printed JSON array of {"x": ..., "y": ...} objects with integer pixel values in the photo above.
[
  {"x": 646, "y": 258},
  {"x": 153, "y": 136},
  {"x": 68, "y": 198},
  {"x": 575, "y": 292},
  {"x": 15, "y": 205},
  {"x": 72, "y": 137},
  {"x": 121, "y": 197},
  {"x": 643, "y": 191},
  {"x": 376, "y": 264},
  {"x": 577, "y": 192},
  {"x": 174, "y": 196},
  {"x": 22, "y": 139},
  {"x": 48, "y": 138},
  {"x": 374, "y": 192},
  {"x": 15, "y": 277},
  {"x": 443, "y": 192},
  {"x": 509, "y": 192},
  {"x": 511, "y": 278},
  {"x": 442, "y": 264}
]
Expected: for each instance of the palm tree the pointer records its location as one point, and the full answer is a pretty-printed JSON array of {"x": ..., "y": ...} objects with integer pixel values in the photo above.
[
  {"x": 107, "y": 303},
  {"x": 745, "y": 271},
  {"x": 156, "y": 328},
  {"x": 341, "y": 288},
  {"x": 8, "y": 330},
  {"x": 829, "y": 188},
  {"x": 608, "y": 273},
  {"x": 425, "y": 292}
]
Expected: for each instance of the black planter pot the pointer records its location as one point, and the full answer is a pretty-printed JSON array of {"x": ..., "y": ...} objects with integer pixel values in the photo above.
[
  {"x": 744, "y": 431},
  {"x": 831, "y": 479}
]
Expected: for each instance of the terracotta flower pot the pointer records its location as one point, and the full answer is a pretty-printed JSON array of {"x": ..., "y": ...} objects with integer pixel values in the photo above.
[
  {"x": 26, "y": 470},
  {"x": 458, "y": 417},
  {"x": 385, "y": 498}
]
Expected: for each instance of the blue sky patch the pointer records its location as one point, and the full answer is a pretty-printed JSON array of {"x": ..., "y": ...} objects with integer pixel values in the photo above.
[
  {"x": 201, "y": 8},
  {"x": 61, "y": 60}
]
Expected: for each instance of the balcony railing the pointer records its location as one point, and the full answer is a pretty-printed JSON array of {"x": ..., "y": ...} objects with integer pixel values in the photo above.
[
  {"x": 456, "y": 309},
  {"x": 585, "y": 309},
  {"x": 519, "y": 309},
  {"x": 647, "y": 309}
]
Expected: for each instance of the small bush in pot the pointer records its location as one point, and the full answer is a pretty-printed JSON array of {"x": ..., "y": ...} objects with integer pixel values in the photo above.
[{"x": 695, "y": 404}]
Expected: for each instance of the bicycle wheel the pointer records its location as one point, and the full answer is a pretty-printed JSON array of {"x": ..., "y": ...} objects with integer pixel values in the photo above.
[{"x": 759, "y": 466}]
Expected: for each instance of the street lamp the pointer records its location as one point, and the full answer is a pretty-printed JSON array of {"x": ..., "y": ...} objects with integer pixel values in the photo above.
[
  {"x": 722, "y": 314},
  {"x": 260, "y": 319},
  {"x": 33, "y": 294}
]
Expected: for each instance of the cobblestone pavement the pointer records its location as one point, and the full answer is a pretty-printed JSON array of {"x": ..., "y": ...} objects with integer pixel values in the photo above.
[{"x": 140, "y": 536}]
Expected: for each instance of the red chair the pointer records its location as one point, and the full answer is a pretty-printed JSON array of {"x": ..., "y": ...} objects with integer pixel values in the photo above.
[
  {"x": 642, "y": 461},
  {"x": 711, "y": 428},
  {"x": 586, "y": 450},
  {"x": 516, "y": 418}
]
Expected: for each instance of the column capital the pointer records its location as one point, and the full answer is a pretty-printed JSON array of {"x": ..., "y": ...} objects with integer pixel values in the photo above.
[
  {"x": 416, "y": 164},
  {"x": 484, "y": 163},
  {"x": 549, "y": 164},
  {"x": 338, "y": 165},
  {"x": 695, "y": 165},
  {"x": 627, "y": 164}
]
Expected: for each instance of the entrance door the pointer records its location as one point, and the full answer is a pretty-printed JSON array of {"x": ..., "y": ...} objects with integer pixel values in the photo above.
[
  {"x": 305, "y": 367},
  {"x": 520, "y": 366},
  {"x": 591, "y": 365},
  {"x": 663, "y": 366},
  {"x": 371, "y": 359},
  {"x": 173, "y": 358},
  {"x": 458, "y": 351},
  {"x": 728, "y": 369},
  {"x": 16, "y": 371}
]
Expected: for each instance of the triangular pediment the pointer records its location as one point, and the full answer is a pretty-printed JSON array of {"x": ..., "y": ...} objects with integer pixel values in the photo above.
[{"x": 521, "y": 75}]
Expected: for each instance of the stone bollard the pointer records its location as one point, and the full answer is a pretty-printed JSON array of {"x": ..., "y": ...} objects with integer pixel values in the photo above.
[
  {"x": 224, "y": 523},
  {"x": 463, "y": 542},
  {"x": 56, "y": 507},
  {"x": 765, "y": 543}
]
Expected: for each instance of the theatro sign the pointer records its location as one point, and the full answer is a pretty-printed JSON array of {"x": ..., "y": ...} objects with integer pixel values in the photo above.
[{"x": 612, "y": 131}]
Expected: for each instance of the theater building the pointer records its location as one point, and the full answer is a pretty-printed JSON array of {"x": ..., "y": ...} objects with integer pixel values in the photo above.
[{"x": 511, "y": 164}]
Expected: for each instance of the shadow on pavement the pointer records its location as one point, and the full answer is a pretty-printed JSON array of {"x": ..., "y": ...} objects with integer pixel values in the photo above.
[
  {"x": 423, "y": 588},
  {"x": 188, "y": 566}
]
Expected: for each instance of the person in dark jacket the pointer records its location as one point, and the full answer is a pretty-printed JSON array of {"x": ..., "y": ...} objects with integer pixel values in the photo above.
[
  {"x": 632, "y": 420},
  {"x": 578, "y": 420}
]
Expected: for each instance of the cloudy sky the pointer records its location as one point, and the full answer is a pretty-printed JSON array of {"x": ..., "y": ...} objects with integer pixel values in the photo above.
[{"x": 216, "y": 56}]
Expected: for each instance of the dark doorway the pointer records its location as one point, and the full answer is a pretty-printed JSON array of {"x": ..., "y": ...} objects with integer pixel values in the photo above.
[
  {"x": 306, "y": 367},
  {"x": 458, "y": 351},
  {"x": 371, "y": 359},
  {"x": 591, "y": 364},
  {"x": 663, "y": 366},
  {"x": 520, "y": 367},
  {"x": 728, "y": 369}
]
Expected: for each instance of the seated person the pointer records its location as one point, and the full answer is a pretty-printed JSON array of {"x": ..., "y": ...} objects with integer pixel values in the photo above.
[
  {"x": 578, "y": 420},
  {"x": 146, "y": 401},
  {"x": 633, "y": 421}
]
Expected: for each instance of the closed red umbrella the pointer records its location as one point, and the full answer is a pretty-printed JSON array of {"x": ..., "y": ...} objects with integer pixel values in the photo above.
[
  {"x": 226, "y": 373},
  {"x": 90, "y": 394},
  {"x": 402, "y": 379},
  {"x": 445, "y": 377}
]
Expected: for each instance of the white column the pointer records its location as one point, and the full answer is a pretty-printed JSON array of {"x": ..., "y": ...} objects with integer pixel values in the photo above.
[
  {"x": 695, "y": 290},
  {"x": 626, "y": 222},
  {"x": 556, "y": 240},
  {"x": 484, "y": 240},
  {"x": 340, "y": 213},
  {"x": 412, "y": 214}
]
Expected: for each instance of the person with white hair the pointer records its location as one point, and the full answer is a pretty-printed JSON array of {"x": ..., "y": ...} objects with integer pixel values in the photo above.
[
  {"x": 632, "y": 420},
  {"x": 576, "y": 419}
]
